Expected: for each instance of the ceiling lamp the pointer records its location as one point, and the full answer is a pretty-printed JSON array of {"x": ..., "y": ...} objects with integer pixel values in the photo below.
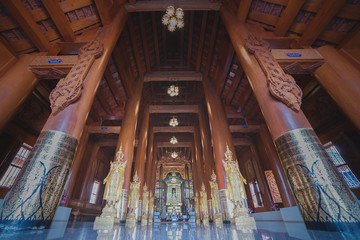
[
  {"x": 173, "y": 91},
  {"x": 173, "y": 140},
  {"x": 173, "y": 19},
  {"x": 174, "y": 154},
  {"x": 173, "y": 122}
]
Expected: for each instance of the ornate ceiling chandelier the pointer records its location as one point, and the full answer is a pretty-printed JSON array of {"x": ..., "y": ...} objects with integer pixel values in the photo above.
[
  {"x": 174, "y": 154},
  {"x": 173, "y": 91},
  {"x": 173, "y": 19},
  {"x": 173, "y": 122},
  {"x": 173, "y": 140}
]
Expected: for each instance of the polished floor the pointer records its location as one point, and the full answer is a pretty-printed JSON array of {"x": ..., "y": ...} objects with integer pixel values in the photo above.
[{"x": 177, "y": 231}]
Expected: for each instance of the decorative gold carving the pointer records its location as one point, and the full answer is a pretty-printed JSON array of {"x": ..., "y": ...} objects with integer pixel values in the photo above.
[
  {"x": 131, "y": 218},
  {"x": 197, "y": 208},
  {"x": 204, "y": 206},
  {"x": 115, "y": 179},
  {"x": 215, "y": 199},
  {"x": 68, "y": 89},
  {"x": 274, "y": 190},
  {"x": 151, "y": 208},
  {"x": 170, "y": 169},
  {"x": 145, "y": 206},
  {"x": 236, "y": 190},
  {"x": 113, "y": 190},
  {"x": 321, "y": 194},
  {"x": 281, "y": 85},
  {"x": 33, "y": 199}
]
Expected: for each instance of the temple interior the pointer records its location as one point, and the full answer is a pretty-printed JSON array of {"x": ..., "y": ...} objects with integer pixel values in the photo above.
[{"x": 191, "y": 119}]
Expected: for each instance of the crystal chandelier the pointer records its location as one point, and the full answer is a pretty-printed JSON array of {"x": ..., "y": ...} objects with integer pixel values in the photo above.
[
  {"x": 173, "y": 19},
  {"x": 174, "y": 154},
  {"x": 173, "y": 122},
  {"x": 173, "y": 90},
  {"x": 173, "y": 140}
]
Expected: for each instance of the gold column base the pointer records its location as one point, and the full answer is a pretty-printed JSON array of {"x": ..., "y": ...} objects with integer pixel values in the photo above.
[
  {"x": 242, "y": 219},
  {"x": 131, "y": 220},
  {"x": 324, "y": 200},
  {"x": 144, "y": 220},
  {"x": 34, "y": 197},
  {"x": 218, "y": 220},
  {"x": 107, "y": 219},
  {"x": 206, "y": 221}
]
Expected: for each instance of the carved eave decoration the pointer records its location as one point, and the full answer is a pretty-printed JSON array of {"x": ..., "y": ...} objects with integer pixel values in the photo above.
[
  {"x": 170, "y": 169},
  {"x": 281, "y": 85},
  {"x": 68, "y": 89},
  {"x": 168, "y": 160}
]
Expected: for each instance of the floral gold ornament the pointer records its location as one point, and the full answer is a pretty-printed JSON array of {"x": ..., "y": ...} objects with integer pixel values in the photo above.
[
  {"x": 173, "y": 19},
  {"x": 215, "y": 199},
  {"x": 174, "y": 154}
]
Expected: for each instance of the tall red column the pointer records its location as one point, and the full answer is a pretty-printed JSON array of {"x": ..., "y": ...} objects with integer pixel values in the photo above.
[
  {"x": 323, "y": 198},
  {"x": 40, "y": 184}
]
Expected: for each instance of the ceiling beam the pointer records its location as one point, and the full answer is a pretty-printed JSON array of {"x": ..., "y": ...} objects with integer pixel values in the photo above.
[
  {"x": 104, "y": 129},
  {"x": 327, "y": 11},
  {"x": 212, "y": 44},
  {"x": 150, "y": 6},
  {"x": 59, "y": 19},
  {"x": 288, "y": 17},
  {"x": 112, "y": 85},
  {"x": 173, "y": 108},
  {"x": 244, "y": 128},
  {"x": 123, "y": 67},
  {"x": 143, "y": 36},
  {"x": 234, "y": 85},
  {"x": 173, "y": 76},
  {"x": 243, "y": 10},
  {"x": 201, "y": 41},
  {"x": 170, "y": 145},
  {"x": 242, "y": 142},
  {"x": 173, "y": 129},
  {"x": 23, "y": 17},
  {"x": 135, "y": 45},
  {"x": 102, "y": 99},
  {"x": 156, "y": 40},
  {"x": 191, "y": 30},
  {"x": 223, "y": 68},
  {"x": 244, "y": 98}
]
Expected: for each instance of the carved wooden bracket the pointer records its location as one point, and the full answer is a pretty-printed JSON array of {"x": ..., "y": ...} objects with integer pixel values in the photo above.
[
  {"x": 68, "y": 89},
  {"x": 281, "y": 85}
]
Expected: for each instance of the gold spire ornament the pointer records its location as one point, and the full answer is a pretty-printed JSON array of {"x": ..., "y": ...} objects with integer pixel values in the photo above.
[
  {"x": 215, "y": 199},
  {"x": 114, "y": 182},
  {"x": 145, "y": 206},
  {"x": 236, "y": 189},
  {"x": 131, "y": 218},
  {"x": 204, "y": 207}
]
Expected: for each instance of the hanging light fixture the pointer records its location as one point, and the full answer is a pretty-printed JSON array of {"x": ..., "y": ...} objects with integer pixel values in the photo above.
[
  {"x": 173, "y": 91},
  {"x": 173, "y": 122},
  {"x": 173, "y": 19},
  {"x": 173, "y": 140},
  {"x": 174, "y": 154}
]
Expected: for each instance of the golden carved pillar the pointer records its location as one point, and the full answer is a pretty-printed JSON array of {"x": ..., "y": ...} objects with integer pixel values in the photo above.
[
  {"x": 152, "y": 180},
  {"x": 196, "y": 189},
  {"x": 324, "y": 200},
  {"x": 221, "y": 136},
  {"x": 127, "y": 141},
  {"x": 337, "y": 69},
  {"x": 149, "y": 174},
  {"x": 33, "y": 200},
  {"x": 140, "y": 158}
]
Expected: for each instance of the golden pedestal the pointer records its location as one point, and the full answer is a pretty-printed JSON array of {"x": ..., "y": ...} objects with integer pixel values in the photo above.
[
  {"x": 131, "y": 220},
  {"x": 218, "y": 220},
  {"x": 242, "y": 219},
  {"x": 107, "y": 219}
]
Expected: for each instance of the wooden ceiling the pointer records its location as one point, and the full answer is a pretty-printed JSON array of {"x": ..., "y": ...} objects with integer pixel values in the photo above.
[{"x": 145, "y": 47}]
